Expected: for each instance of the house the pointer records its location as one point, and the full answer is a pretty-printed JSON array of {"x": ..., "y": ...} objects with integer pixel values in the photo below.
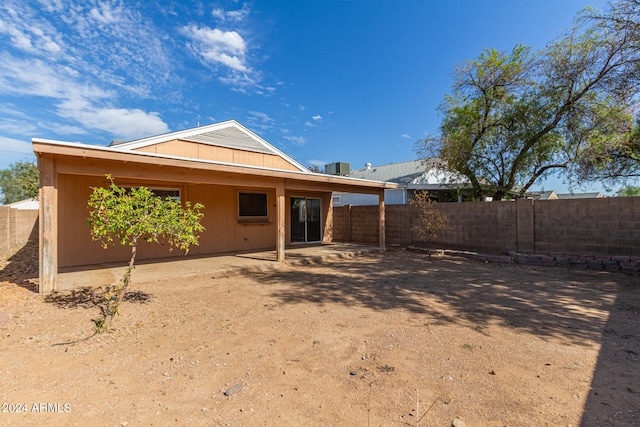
[
  {"x": 25, "y": 205},
  {"x": 542, "y": 195},
  {"x": 255, "y": 196},
  {"x": 593, "y": 195},
  {"x": 552, "y": 195},
  {"x": 411, "y": 176}
]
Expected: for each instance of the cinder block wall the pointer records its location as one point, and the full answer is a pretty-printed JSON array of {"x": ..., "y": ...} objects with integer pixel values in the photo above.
[
  {"x": 358, "y": 224},
  {"x": 398, "y": 224},
  {"x": 609, "y": 226},
  {"x": 490, "y": 227},
  {"x": 17, "y": 227}
]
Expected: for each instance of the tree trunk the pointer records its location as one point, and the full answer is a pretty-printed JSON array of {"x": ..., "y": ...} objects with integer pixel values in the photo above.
[
  {"x": 498, "y": 195},
  {"x": 113, "y": 304}
]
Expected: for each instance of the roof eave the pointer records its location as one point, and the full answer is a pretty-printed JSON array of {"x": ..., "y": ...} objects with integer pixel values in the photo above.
[{"x": 42, "y": 146}]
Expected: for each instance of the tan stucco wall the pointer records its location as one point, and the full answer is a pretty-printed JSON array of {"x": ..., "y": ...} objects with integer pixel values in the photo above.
[{"x": 223, "y": 231}]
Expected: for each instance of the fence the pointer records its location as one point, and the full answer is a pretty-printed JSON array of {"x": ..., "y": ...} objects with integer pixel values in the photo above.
[
  {"x": 17, "y": 227},
  {"x": 595, "y": 227}
]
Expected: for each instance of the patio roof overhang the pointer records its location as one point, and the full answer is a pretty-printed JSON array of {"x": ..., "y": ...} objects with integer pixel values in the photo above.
[{"x": 98, "y": 160}]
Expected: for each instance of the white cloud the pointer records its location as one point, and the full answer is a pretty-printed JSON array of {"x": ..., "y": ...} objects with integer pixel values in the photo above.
[
  {"x": 120, "y": 122},
  {"x": 29, "y": 34},
  {"x": 317, "y": 118},
  {"x": 51, "y": 5},
  {"x": 64, "y": 129},
  {"x": 319, "y": 163},
  {"x": 405, "y": 136},
  {"x": 36, "y": 77},
  {"x": 232, "y": 15},
  {"x": 109, "y": 42},
  {"x": 106, "y": 13},
  {"x": 20, "y": 126},
  {"x": 15, "y": 146},
  {"x": 296, "y": 140},
  {"x": 260, "y": 120},
  {"x": 15, "y": 150},
  {"x": 309, "y": 124},
  {"x": 225, "y": 50},
  {"x": 218, "y": 47},
  {"x": 97, "y": 51}
]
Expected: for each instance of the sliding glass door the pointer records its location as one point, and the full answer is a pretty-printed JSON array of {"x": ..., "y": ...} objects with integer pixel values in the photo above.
[{"x": 306, "y": 225}]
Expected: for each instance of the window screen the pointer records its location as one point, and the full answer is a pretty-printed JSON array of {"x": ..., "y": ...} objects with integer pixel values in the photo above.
[{"x": 253, "y": 204}]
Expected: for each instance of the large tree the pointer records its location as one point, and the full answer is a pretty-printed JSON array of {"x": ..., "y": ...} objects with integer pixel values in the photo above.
[
  {"x": 18, "y": 182},
  {"x": 515, "y": 117},
  {"x": 618, "y": 160}
]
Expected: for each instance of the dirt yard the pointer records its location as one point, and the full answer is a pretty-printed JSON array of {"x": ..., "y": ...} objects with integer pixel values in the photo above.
[{"x": 380, "y": 340}]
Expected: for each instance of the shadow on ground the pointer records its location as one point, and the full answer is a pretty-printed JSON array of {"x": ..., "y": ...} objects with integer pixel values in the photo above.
[
  {"x": 88, "y": 297},
  {"x": 543, "y": 301},
  {"x": 581, "y": 308},
  {"x": 614, "y": 398},
  {"x": 21, "y": 267}
]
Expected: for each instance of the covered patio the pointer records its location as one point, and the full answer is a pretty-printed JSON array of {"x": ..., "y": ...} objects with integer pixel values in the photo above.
[{"x": 221, "y": 265}]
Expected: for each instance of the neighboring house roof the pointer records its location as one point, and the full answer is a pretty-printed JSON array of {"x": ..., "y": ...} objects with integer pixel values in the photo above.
[
  {"x": 25, "y": 205},
  {"x": 596, "y": 195},
  {"x": 543, "y": 195},
  {"x": 413, "y": 174}
]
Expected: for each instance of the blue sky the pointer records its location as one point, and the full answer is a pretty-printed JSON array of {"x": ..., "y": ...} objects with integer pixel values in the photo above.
[{"x": 352, "y": 81}]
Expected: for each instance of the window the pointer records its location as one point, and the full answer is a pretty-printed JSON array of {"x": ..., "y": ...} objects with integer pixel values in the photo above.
[
  {"x": 252, "y": 205},
  {"x": 162, "y": 192}
]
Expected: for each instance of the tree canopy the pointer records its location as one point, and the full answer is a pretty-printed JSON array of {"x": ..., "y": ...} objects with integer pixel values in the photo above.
[
  {"x": 19, "y": 181},
  {"x": 629, "y": 191},
  {"x": 515, "y": 117},
  {"x": 118, "y": 214}
]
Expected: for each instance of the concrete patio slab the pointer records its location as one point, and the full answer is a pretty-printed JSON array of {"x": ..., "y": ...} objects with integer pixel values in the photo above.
[{"x": 213, "y": 266}]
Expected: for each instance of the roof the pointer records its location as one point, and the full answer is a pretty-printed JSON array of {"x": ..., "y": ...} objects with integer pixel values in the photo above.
[
  {"x": 544, "y": 195},
  {"x": 201, "y": 168},
  {"x": 412, "y": 174},
  {"x": 26, "y": 205},
  {"x": 228, "y": 134},
  {"x": 595, "y": 195}
]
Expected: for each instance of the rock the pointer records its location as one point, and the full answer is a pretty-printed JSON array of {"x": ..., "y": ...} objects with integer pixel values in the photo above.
[
  {"x": 233, "y": 389},
  {"x": 457, "y": 422}
]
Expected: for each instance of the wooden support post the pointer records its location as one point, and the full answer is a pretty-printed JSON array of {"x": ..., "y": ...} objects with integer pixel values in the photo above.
[
  {"x": 48, "y": 239},
  {"x": 381, "y": 221},
  {"x": 280, "y": 220}
]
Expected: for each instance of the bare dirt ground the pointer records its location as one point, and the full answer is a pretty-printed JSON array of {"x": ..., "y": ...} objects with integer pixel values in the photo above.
[{"x": 381, "y": 340}]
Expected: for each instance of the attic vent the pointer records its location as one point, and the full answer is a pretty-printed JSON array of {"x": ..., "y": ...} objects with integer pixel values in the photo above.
[{"x": 230, "y": 138}]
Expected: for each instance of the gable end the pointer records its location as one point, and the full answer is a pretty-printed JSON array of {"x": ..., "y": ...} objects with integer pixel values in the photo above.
[{"x": 230, "y": 138}]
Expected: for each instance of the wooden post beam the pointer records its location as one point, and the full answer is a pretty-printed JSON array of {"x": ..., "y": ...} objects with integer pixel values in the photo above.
[
  {"x": 48, "y": 239},
  {"x": 280, "y": 220},
  {"x": 381, "y": 221}
]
